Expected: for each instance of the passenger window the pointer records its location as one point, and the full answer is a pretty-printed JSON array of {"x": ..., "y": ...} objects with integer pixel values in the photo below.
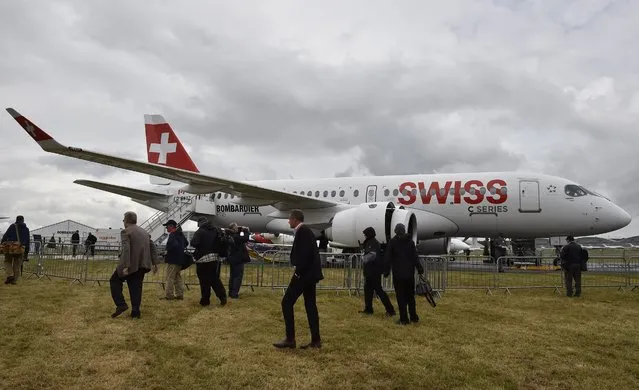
[
  {"x": 226, "y": 196},
  {"x": 219, "y": 195},
  {"x": 317, "y": 194},
  {"x": 325, "y": 194},
  {"x": 342, "y": 193},
  {"x": 395, "y": 192},
  {"x": 386, "y": 192},
  {"x": 356, "y": 193},
  {"x": 574, "y": 191},
  {"x": 333, "y": 194}
]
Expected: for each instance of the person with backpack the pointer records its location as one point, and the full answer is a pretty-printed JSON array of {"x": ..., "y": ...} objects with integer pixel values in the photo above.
[
  {"x": 15, "y": 245},
  {"x": 373, "y": 263},
  {"x": 209, "y": 246},
  {"x": 89, "y": 243},
  {"x": 571, "y": 263},
  {"x": 175, "y": 246}
]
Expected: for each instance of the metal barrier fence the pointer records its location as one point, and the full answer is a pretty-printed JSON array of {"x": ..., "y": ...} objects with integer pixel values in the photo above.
[{"x": 343, "y": 272}]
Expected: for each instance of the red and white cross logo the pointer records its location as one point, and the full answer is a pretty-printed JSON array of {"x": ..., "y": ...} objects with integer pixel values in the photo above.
[{"x": 163, "y": 148}]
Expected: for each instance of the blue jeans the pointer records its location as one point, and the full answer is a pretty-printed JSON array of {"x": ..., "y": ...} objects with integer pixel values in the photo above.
[{"x": 235, "y": 279}]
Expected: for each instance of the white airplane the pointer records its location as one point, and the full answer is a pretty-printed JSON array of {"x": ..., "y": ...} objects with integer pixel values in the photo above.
[
  {"x": 433, "y": 207},
  {"x": 457, "y": 246}
]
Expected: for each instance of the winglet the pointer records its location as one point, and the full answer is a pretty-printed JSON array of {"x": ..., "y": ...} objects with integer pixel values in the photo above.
[{"x": 31, "y": 128}]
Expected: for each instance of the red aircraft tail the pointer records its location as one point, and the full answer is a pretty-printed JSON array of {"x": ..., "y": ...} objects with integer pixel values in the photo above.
[{"x": 163, "y": 146}]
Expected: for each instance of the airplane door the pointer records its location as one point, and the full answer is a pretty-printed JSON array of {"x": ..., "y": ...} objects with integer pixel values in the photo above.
[
  {"x": 529, "y": 196},
  {"x": 371, "y": 194}
]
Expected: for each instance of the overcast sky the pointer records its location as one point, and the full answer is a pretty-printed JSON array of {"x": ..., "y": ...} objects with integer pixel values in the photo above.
[{"x": 318, "y": 89}]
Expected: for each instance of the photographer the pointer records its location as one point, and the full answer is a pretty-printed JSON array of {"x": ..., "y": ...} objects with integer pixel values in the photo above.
[
  {"x": 209, "y": 247},
  {"x": 238, "y": 255}
]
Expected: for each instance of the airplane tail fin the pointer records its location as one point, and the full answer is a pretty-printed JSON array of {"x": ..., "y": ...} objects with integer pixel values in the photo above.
[{"x": 164, "y": 147}]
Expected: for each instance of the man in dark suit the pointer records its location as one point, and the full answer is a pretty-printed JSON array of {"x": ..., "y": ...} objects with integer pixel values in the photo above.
[
  {"x": 571, "y": 260},
  {"x": 308, "y": 272},
  {"x": 402, "y": 259}
]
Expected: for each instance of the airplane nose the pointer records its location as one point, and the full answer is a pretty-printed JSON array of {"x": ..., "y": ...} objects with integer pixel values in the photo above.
[
  {"x": 620, "y": 217},
  {"x": 624, "y": 218},
  {"x": 609, "y": 217}
]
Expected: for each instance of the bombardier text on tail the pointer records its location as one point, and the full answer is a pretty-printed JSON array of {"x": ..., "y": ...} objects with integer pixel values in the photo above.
[{"x": 432, "y": 207}]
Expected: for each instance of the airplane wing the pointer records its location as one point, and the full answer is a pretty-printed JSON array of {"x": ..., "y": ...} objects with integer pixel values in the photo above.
[
  {"x": 198, "y": 183},
  {"x": 120, "y": 190}
]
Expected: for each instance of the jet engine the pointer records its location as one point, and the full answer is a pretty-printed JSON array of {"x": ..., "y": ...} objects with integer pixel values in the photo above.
[
  {"x": 347, "y": 225},
  {"x": 435, "y": 246}
]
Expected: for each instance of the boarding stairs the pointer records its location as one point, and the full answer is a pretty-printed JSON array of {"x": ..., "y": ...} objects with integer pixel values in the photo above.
[{"x": 180, "y": 210}]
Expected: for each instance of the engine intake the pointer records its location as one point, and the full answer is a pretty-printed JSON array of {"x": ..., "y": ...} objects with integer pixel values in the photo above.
[{"x": 348, "y": 225}]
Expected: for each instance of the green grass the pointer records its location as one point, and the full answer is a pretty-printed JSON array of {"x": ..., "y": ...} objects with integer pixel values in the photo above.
[{"x": 59, "y": 335}]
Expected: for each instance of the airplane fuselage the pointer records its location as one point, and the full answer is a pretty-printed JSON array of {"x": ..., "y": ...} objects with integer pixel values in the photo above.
[{"x": 473, "y": 204}]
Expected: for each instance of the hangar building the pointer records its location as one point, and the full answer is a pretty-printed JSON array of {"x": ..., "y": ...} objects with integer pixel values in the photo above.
[{"x": 62, "y": 231}]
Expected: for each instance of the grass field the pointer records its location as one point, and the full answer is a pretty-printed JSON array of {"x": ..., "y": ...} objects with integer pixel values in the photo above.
[{"x": 57, "y": 335}]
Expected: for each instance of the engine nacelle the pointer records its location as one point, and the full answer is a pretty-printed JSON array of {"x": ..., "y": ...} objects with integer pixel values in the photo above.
[
  {"x": 436, "y": 246},
  {"x": 347, "y": 226}
]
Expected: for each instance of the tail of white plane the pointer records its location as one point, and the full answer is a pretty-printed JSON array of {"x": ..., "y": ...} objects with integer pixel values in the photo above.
[{"x": 164, "y": 147}]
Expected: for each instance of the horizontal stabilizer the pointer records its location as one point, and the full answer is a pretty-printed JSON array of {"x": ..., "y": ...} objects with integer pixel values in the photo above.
[{"x": 120, "y": 190}]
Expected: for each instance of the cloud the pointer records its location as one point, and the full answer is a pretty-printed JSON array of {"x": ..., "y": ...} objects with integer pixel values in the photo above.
[{"x": 320, "y": 90}]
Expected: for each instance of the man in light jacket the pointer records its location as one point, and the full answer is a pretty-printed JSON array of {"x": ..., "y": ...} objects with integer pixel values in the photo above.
[{"x": 138, "y": 256}]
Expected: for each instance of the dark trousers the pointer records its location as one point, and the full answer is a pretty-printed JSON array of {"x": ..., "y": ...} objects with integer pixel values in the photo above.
[
  {"x": 75, "y": 248},
  {"x": 235, "y": 279},
  {"x": 572, "y": 272},
  {"x": 373, "y": 285},
  {"x": 296, "y": 288},
  {"x": 134, "y": 282},
  {"x": 209, "y": 276},
  {"x": 405, "y": 293}
]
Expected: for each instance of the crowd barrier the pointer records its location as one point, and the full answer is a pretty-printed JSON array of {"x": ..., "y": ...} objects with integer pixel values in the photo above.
[{"x": 343, "y": 272}]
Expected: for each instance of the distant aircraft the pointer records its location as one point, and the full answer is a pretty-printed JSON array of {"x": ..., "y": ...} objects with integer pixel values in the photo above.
[
  {"x": 457, "y": 245},
  {"x": 433, "y": 207}
]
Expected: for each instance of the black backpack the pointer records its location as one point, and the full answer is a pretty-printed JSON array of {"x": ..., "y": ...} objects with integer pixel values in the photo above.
[{"x": 584, "y": 259}]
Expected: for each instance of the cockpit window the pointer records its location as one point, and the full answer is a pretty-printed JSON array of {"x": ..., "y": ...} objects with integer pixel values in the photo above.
[{"x": 575, "y": 191}]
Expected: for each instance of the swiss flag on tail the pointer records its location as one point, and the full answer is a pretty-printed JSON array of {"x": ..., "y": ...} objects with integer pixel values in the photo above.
[{"x": 163, "y": 146}]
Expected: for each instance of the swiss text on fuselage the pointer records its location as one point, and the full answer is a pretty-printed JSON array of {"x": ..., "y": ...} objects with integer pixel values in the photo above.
[{"x": 473, "y": 192}]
